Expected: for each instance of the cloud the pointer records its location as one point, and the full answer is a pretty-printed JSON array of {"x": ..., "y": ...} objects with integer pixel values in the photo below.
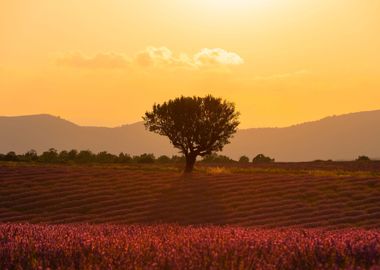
[
  {"x": 156, "y": 57},
  {"x": 217, "y": 56},
  {"x": 101, "y": 61},
  {"x": 205, "y": 58},
  {"x": 162, "y": 57}
]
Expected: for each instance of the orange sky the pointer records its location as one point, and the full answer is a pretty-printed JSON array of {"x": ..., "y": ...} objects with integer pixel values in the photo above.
[{"x": 98, "y": 62}]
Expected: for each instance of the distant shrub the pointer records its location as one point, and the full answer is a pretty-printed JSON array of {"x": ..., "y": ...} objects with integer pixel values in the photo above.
[
  {"x": 244, "y": 159},
  {"x": 215, "y": 158},
  {"x": 363, "y": 158},
  {"x": 105, "y": 157},
  {"x": 49, "y": 156},
  {"x": 144, "y": 158},
  {"x": 72, "y": 155},
  {"x": 260, "y": 158},
  {"x": 85, "y": 156},
  {"x": 11, "y": 156},
  {"x": 63, "y": 156},
  {"x": 31, "y": 155},
  {"x": 124, "y": 158},
  {"x": 163, "y": 159}
]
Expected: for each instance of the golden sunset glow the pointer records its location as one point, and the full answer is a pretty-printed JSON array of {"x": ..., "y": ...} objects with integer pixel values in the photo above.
[
  {"x": 227, "y": 3},
  {"x": 106, "y": 62},
  {"x": 231, "y": 4}
]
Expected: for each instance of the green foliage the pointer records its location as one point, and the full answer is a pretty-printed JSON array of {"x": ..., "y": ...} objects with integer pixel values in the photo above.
[
  {"x": 63, "y": 156},
  {"x": 31, "y": 155},
  {"x": 49, "y": 156},
  {"x": 11, "y": 156},
  {"x": 260, "y": 158},
  {"x": 85, "y": 156},
  {"x": 124, "y": 158},
  {"x": 197, "y": 126},
  {"x": 363, "y": 158},
  {"x": 144, "y": 158},
  {"x": 72, "y": 155},
  {"x": 244, "y": 159},
  {"x": 163, "y": 159},
  {"x": 105, "y": 157}
]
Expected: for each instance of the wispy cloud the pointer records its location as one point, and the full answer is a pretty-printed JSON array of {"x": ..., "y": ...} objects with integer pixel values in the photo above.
[
  {"x": 162, "y": 57},
  {"x": 155, "y": 57},
  {"x": 217, "y": 56}
]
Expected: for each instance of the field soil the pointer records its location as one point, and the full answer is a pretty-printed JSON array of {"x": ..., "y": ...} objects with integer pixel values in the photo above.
[{"x": 339, "y": 196}]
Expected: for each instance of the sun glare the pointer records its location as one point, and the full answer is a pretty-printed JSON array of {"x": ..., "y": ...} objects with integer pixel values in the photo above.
[
  {"x": 229, "y": 3},
  {"x": 235, "y": 4}
]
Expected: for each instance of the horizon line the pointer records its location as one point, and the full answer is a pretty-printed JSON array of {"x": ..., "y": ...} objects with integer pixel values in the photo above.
[{"x": 137, "y": 122}]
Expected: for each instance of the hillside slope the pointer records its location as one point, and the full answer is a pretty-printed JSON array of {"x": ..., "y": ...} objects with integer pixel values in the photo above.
[
  {"x": 72, "y": 194},
  {"x": 41, "y": 132},
  {"x": 340, "y": 138}
]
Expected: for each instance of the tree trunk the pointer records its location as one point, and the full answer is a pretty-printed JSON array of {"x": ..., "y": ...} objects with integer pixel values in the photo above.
[{"x": 190, "y": 161}]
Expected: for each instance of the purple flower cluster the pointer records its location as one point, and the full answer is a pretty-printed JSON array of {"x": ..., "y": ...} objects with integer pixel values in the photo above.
[{"x": 25, "y": 246}]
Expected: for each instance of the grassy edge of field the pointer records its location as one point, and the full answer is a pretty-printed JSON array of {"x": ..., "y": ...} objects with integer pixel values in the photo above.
[{"x": 203, "y": 168}]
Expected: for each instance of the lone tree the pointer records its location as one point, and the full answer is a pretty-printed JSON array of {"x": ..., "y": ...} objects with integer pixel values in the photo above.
[{"x": 197, "y": 126}]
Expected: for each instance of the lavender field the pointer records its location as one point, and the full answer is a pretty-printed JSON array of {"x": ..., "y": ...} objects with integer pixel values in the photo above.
[{"x": 24, "y": 246}]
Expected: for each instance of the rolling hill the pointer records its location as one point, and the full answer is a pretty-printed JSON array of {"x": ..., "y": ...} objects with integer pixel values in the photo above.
[{"x": 338, "y": 137}]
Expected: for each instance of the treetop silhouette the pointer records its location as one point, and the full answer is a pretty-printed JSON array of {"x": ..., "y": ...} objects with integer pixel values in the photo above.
[{"x": 197, "y": 126}]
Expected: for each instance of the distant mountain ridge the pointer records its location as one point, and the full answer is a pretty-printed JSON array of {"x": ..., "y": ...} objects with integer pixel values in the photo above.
[{"x": 341, "y": 137}]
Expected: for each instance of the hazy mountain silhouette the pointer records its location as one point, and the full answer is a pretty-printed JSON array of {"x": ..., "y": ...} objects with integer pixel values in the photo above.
[
  {"x": 41, "y": 132},
  {"x": 341, "y": 137},
  {"x": 338, "y": 137}
]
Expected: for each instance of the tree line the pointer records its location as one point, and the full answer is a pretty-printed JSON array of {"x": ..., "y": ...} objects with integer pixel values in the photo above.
[{"x": 86, "y": 156}]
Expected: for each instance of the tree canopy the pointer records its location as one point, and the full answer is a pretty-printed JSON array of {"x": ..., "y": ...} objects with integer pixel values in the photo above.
[{"x": 197, "y": 126}]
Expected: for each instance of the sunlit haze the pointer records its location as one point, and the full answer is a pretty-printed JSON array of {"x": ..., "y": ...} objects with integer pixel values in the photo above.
[{"x": 105, "y": 63}]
